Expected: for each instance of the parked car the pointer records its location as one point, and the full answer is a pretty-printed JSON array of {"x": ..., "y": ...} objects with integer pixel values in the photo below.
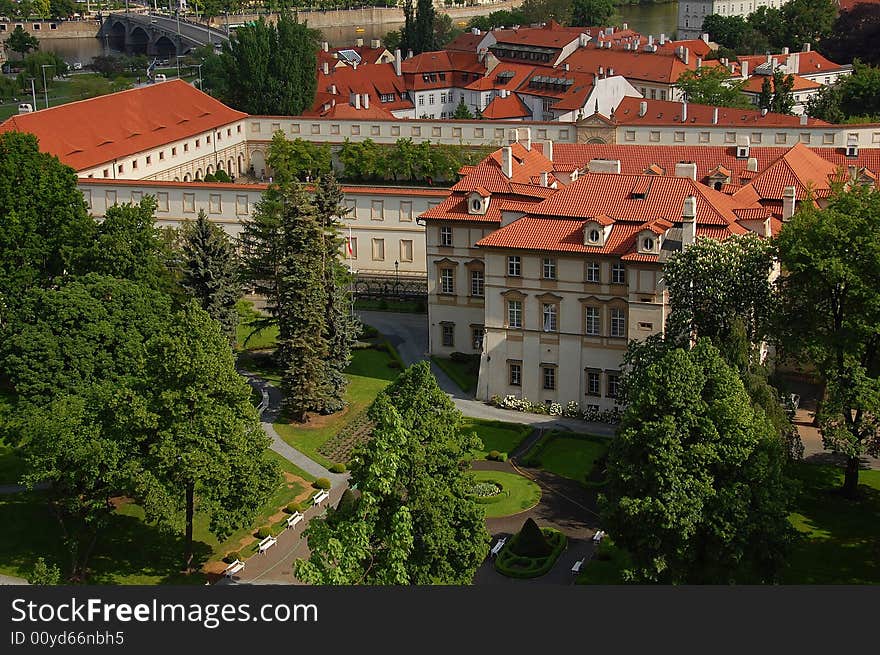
[{"x": 25, "y": 108}]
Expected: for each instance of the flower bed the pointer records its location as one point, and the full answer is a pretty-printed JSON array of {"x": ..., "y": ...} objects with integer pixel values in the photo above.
[
  {"x": 486, "y": 489},
  {"x": 570, "y": 409},
  {"x": 339, "y": 447}
]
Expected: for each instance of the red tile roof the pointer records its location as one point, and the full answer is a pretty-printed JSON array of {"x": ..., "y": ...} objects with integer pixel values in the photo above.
[
  {"x": 91, "y": 132},
  {"x": 755, "y": 82},
  {"x": 487, "y": 174},
  {"x": 373, "y": 79},
  {"x": 808, "y": 62},
  {"x": 500, "y": 77},
  {"x": 465, "y": 42},
  {"x": 847, "y": 5},
  {"x": 551, "y": 35},
  {"x": 666, "y": 112},
  {"x": 799, "y": 167},
  {"x": 634, "y": 66},
  {"x": 505, "y": 108}
]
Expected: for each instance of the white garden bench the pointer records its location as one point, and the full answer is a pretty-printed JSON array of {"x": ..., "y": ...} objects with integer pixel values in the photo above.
[
  {"x": 267, "y": 543},
  {"x": 577, "y": 565},
  {"x": 294, "y": 518},
  {"x": 498, "y": 546},
  {"x": 233, "y": 568},
  {"x": 599, "y": 536},
  {"x": 321, "y": 496}
]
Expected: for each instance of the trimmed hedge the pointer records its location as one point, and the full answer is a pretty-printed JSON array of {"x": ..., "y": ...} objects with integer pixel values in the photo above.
[
  {"x": 293, "y": 508},
  {"x": 231, "y": 557},
  {"x": 517, "y": 566},
  {"x": 496, "y": 456},
  {"x": 264, "y": 532},
  {"x": 338, "y": 467},
  {"x": 322, "y": 483}
]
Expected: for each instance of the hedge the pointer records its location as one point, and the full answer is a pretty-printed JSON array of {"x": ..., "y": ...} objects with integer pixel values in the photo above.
[
  {"x": 322, "y": 483},
  {"x": 231, "y": 557},
  {"x": 338, "y": 467},
  {"x": 515, "y": 566},
  {"x": 264, "y": 532}
]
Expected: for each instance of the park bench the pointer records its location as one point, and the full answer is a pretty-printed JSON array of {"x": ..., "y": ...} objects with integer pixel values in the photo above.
[
  {"x": 577, "y": 565},
  {"x": 321, "y": 496},
  {"x": 498, "y": 546},
  {"x": 267, "y": 543},
  {"x": 233, "y": 568},
  {"x": 293, "y": 519},
  {"x": 599, "y": 536}
]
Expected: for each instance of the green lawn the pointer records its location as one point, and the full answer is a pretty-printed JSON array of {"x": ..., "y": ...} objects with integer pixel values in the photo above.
[
  {"x": 496, "y": 435},
  {"x": 245, "y": 338},
  {"x": 131, "y": 551},
  {"x": 567, "y": 454},
  {"x": 519, "y": 493},
  {"x": 60, "y": 93},
  {"x": 371, "y": 370},
  {"x": 464, "y": 374}
]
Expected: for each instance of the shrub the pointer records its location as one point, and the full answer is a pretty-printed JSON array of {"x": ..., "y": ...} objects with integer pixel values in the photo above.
[
  {"x": 322, "y": 483},
  {"x": 231, "y": 557},
  {"x": 338, "y": 467},
  {"x": 369, "y": 332},
  {"x": 264, "y": 532},
  {"x": 293, "y": 508},
  {"x": 347, "y": 503},
  {"x": 493, "y": 455},
  {"x": 530, "y": 541},
  {"x": 502, "y": 457},
  {"x": 519, "y": 566}
]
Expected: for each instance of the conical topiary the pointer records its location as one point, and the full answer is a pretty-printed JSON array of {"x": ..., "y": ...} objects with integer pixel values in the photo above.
[{"x": 531, "y": 542}]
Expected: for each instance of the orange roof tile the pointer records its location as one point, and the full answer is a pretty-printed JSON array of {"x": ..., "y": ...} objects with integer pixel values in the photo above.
[
  {"x": 551, "y": 35},
  {"x": 808, "y": 62},
  {"x": 643, "y": 66},
  {"x": 375, "y": 80},
  {"x": 505, "y": 108},
  {"x": 666, "y": 112},
  {"x": 799, "y": 167},
  {"x": 755, "y": 82},
  {"x": 465, "y": 42},
  {"x": 91, "y": 132},
  {"x": 488, "y": 174}
]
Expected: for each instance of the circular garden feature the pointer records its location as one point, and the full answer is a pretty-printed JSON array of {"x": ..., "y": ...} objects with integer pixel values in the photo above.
[
  {"x": 503, "y": 494},
  {"x": 531, "y": 552}
]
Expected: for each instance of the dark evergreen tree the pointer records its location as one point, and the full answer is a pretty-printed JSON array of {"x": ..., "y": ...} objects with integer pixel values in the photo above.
[{"x": 210, "y": 271}]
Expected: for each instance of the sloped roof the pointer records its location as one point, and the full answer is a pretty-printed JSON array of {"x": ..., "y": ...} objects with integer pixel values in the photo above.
[
  {"x": 504, "y": 108},
  {"x": 91, "y": 132},
  {"x": 808, "y": 62},
  {"x": 633, "y": 65},
  {"x": 488, "y": 174},
  {"x": 551, "y": 35},
  {"x": 373, "y": 79},
  {"x": 799, "y": 167},
  {"x": 667, "y": 112},
  {"x": 755, "y": 82}
]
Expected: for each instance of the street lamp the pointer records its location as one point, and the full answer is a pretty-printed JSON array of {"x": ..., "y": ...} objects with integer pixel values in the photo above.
[
  {"x": 396, "y": 277},
  {"x": 45, "y": 88},
  {"x": 199, "y": 66}
]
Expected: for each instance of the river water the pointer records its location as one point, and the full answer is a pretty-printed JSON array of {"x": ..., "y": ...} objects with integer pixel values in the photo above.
[{"x": 646, "y": 19}]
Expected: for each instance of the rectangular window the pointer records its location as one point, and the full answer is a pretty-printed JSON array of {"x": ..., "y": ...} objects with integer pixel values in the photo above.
[
  {"x": 828, "y": 139},
  {"x": 189, "y": 202},
  {"x": 679, "y": 137},
  {"x": 406, "y": 250},
  {"x": 106, "y": 172},
  {"x": 549, "y": 268},
  {"x": 149, "y": 160},
  {"x": 515, "y": 374},
  {"x": 478, "y": 281},
  {"x": 406, "y": 210},
  {"x": 514, "y": 266},
  {"x": 421, "y": 101},
  {"x": 446, "y": 236},
  {"x": 214, "y": 203},
  {"x": 477, "y": 338},
  {"x": 591, "y": 321},
  {"x": 377, "y": 210},
  {"x": 447, "y": 281},
  {"x": 593, "y": 385},
  {"x": 618, "y": 274},
  {"x": 186, "y": 147},
  {"x": 241, "y": 205},
  {"x": 355, "y": 130},
  {"x": 137, "y": 196},
  {"x": 550, "y": 311},
  {"x": 514, "y": 313},
  {"x": 198, "y": 142},
  {"x": 806, "y": 137},
  {"x": 730, "y": 137},
  {"x": 593, "y": 272},
  {"x": 757, "y": 137},
  {"x": 704, "y": 137},
  {"x": 654, "y": 136},
  {"x": 629, "y": 135},
  {"x": 549, "y": 377},
  {"x": 353, "y": 241},
  {"x": 781, "y": 137},
  {"x": 174, "y": 152},
  {"x": 447, "y": 331},
  {"x": 162, "y": 201},
  {"x": 618, "y": 322},
  {"x": 379, "y": 250},
  {"x": 120, "y": 169},
  {"x": 612, "y": 385},
  {"x": 351, "y": 208},
  {"x": 430, "y": 98}
]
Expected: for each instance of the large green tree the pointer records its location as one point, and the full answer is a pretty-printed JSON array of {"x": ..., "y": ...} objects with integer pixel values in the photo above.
[
  {"x": 695, "y": 490},
  {"x": 43, "y": 217},
  {"x": 417, "y": 33},
  {"x": 587, "y": 13},
  {"x": 776, "y": 93},
  {"x": 710, "y": 85},
  {"x": 21, "y": 42},
  {"x": 855, "y": 97},
  {"x": 415, "y": 522},
  {"x": 854, "y": 35},
  {"x": 210, "y": 272},
  {"x": 268, "y": 68},
  {"x": 830, "y": 295}
]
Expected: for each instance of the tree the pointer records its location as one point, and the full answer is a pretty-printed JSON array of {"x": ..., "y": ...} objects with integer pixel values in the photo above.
[
  {"x": 44, "y": 573},
  {"x": 735, "y": 33},
  {"x": 854, "y": 35},
  {"x": 695, "y": 488},
  {"x": 83, "y": 87},
  {"x": 206, "y": 448},
  {"x": 415, "y": 522},
  {"x": 108, "y": 65},
  {"x": 586, "y": 13},
  {"x": 417, "y": 33},
  {"x": 830, "y": 314},
  {"x": 710, "y": 85},
  {"x": 43, "y": 216},
  {"x": 462, "y": 112},
  {"x": 33, "y": 67},
  {"x": 61, "y": 8},
  {"x": 210, "y": 271},
  {"x": 269, "y": 69},
  {"x": 360, "y": 159},
  {"x": 855, "y": 97},
  {"x": 498, "y": 19},
  {"x": 301, "y": 159},
  {"x": 715, "y": 284},
  {"x": 807, "y": 21},
  {"x": 776, "y": 93},
  {"x": 21, "y": 42}
]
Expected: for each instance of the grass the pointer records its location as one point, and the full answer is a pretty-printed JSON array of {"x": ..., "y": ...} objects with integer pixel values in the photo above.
[
  {"x": 405, "y": 306},
  {"x": 130, "y": 551},
  {"x": 567, "y": 454},
  {"x": 245, "y": 338},
  {"x": 370, "y": 371},
  {"x": 464, "y": 374},
  {"x": 519, "y": 493},
  {"x": 60, "y": 93},
  {"x": 496, "y": 435},
  {"x": 606, "y": 565}
]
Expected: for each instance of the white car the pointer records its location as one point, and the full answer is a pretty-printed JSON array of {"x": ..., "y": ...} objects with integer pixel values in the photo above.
[{"x": 25, "y": 108}]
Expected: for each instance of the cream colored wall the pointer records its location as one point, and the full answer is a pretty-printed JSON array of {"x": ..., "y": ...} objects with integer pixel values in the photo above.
[{"x": 826, "y": 136}]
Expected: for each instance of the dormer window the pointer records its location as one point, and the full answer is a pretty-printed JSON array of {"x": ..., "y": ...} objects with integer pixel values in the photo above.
[
  {"x": 593, "y": 235},
  {"x": 596, "y": 230},
  {"x": 478, "y": 201},
  {"x": 648, "y": 244}
]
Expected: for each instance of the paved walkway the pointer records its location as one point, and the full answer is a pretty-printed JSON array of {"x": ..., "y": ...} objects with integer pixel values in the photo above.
[
  {"x": 12, "y": 580},
  {"x": 814, "y": 448}
]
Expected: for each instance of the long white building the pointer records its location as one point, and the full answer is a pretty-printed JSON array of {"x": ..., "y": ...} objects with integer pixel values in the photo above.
[{"x": 692, "y": 13}]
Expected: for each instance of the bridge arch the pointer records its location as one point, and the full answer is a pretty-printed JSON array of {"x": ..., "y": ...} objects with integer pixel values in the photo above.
[
  {"x": 138, "y": 40},
  {"x": 165, "y": 47}
]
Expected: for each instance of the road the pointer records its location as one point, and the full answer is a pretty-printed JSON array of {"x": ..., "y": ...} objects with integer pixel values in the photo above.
[{"x": 198, "y": 33}]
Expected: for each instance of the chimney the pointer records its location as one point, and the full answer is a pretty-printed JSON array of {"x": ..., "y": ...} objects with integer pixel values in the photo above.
[
  {"x": 354, "y": 65},
  {"x": 684, "y": 111},
  {"x": 375, "y": 43},
  {"x": 788, "y": 199},
  {"x": 744, "y": 66},
  {"x": 397, "y": 62},
  {"x": 803, "y": 118},
  {"x": 662, "y": 39},
  {"x": 582, "y": 40},
  {"x": 794, "y": 63},
  {"x": 625, "y": 26},
  {"x": 326, "y": 67},
  {"x": 715, "y": 116},
  {"x": 409, "y": 54},
  {"x": 763, "y": 111},
  {"x": 366, "y": 101},
  {"x": 643, "y": 108},
  {"x": 325, "y": 46},
  {"x": 752, "y": 164},
  {"x": 545, "y": 179},
  {"x": 604, "y": 166},
  {"x": 333, "y": 89},
  {"x": 685, "y": 55},
  {"x": 610, "y": 72},
  {"x": 475, "y": 31},
  {"x": 601, "y": 71},
  {"x": 774, "y": 62},
  {"x": 806, "y": 47},
  {"x": 650, "y": 39},
  {"x": 686, "y": 169},
  {"x": 699, "y": 63},
  {"x": 548, "y": 149},
  {"x": 705, "y": 37},
  {"x": 359, "y": 43},
  {"x": 507, "y": 161},
  {"x": 689, "y": 221},
  {"x": 785, "y": 50},
  {"x": 769, "y": 58},
  {"x": 609, "y": 30}
]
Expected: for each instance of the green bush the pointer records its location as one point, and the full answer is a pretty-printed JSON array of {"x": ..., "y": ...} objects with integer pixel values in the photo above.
[
  {"x": 369, "y": 332},
  {"x": 293, "y": 508},
  {"x": 493, "y": 455},
  {"x": 530, "y": 541},
  {"x": 231, "y": 557},
  {"x": 322, "y": 483},
  {"x": 338, "y": 467},
  {"x": 264, "y": 532},
  {"x": 518, "y": 566}
]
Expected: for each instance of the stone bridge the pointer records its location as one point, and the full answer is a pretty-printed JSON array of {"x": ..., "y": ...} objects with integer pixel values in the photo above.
[{"x": 156, "y": 35}]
